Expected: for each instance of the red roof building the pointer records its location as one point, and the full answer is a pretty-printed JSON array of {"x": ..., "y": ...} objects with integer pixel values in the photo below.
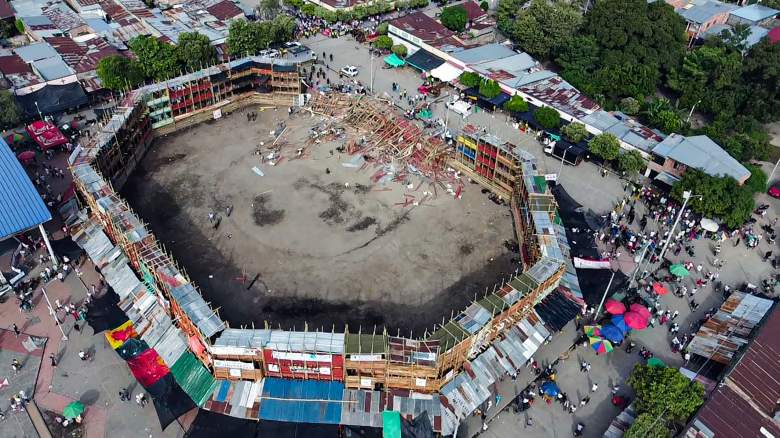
[
  {"x": 6, "y": 11},
  {"x": 225, "y": 10},
  {"x": 473, "y": 10},
  {"x": 745, "y": 404},
  {"x": 423, "y": 27},
  {"x": 13, "y": 65}
]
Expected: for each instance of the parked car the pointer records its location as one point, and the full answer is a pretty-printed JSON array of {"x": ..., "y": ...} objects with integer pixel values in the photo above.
[
  {"x": 774, "y": 190},
  {"x": 460, "y": 107},
  {"x": 292, "y": 44},
  {"x": 350, "y": 71}
]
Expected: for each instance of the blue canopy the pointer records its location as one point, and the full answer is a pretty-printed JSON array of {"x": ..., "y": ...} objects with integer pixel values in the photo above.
[
  {"x": 612, "y": 333},
  {"x": 550, "y": 388},
  {"x": 618, "y": 321},
  {"x": 21, "y": 207}
]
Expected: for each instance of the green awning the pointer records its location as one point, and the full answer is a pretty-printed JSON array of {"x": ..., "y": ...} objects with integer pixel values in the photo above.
[
  {"x": 193, "y": 378},
  {"x": 391, "y": 424},
  {"x": 394, "y": 60}
]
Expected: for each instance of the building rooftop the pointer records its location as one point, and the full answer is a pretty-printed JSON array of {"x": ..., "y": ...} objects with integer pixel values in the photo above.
[
  {"x": 21, "y": 207},
  {"x": 755, "y": 12},
  {"x": 63, "y": 17},
  {"x": 225, "y": 10},
  {"x": 473, "y": 10},
  {"x": 52, "y": 68},
  {"x": 757, "y": 33},
  {"x": 561, "y": 95},
  {"x": 701, "y": 152},
  {"x": 745, "y": 405},
  {"x": 486, "y": 53},
  {"x": 36, "y": 52},
  {"x": 6, "y": 11},
  {"x": 625, "y": 129},
  {"x": 704, "y": 11},
  {"x": 423, "y": 27},
  {"x": 12, "y": 64}
]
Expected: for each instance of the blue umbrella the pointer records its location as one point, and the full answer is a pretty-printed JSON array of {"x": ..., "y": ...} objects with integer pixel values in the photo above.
[
  {"x": 620, "y": 323},
  {"x": 612, "y": 333},
  {"x": 550, "y": 388}
]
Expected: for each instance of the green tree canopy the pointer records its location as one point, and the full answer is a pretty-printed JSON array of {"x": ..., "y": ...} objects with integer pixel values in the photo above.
[
  {"x": 156, "y": 59},
  {"x": 758, "y": 179},
  {"x": 574, "y": 132},
  {"x": 631, "y": 162},
  {"x": 721, "y": 197},
  {"x": 195, "y": 51},
  {"x": 19, "y": 25},
  {"x": 629, "y": 105},
  {"x": 516, "y": 104},
  {"x": 7, "y": 30},
  {"x": 469, "y": 79},
  {"x": 605, "y": 145},
  {"x": 246, "y": 37},
  {"x": 544, "y": 26},
  {"x": 648, "y": 426},
  {"x": 665, "y": 392},
  {"x": 761, "y": 82},
  {"x": 400, "y": 50},
  {"x": 454, "y": 18},
  {"x": 382, "y": 28},
  {"x": 489, "y": 88},
  {"x": 547, "y": 117},
  {"x": 9, "y": 112},
  {"x": 383, "y": 42},
  {"x": 484, "y": 5},
  {"x": 119, "y": 73}
]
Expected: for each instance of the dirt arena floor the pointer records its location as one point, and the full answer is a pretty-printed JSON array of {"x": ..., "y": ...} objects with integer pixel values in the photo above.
[{"x": 302, "y": 244}]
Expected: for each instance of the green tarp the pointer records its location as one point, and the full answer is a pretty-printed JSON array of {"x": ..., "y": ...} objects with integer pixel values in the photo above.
[
  {"x": 391, "y": 424},
  {"x": 193, "y": 378},
  {"x": 394, "y": 60}
]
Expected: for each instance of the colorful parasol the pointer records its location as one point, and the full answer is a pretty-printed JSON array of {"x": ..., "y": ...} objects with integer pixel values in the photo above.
[
  {"x": 73, "y": 410},
  {"x": 655, "y": 362},
  {"x": 618, "y": 322},
  {"x": 678, "y": 270},
  {"x": 592, "y": 330},
  {"x": 641, "y": 310},
  {"x": 14, "y": 138},
  {"x": 635, "y": 320},
  {"x": 612, "y": 333},
  {"x": 594, "y": 339},
  {"x": 26, "y": 156},
  {"x": 660, "y": 289},
  {"x": 603, "y": 346},
  {"x": 550, "y": 388},
  {"x": 614, "y": 307}
]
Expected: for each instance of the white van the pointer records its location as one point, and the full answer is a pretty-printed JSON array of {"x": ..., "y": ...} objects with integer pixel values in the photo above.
[{"x": 460, "y": 107}]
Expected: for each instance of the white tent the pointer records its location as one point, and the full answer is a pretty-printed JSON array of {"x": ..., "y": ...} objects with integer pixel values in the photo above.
[{"x": 446, "y": 72}]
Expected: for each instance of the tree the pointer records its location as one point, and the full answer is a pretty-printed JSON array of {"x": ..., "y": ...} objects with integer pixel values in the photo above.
[
  {"x": 454, "y": 18},
  {"x": 19, "y": 25},
  {"x": 195, "y": 51},
  {"x": 668, "y": 121},
  {"x": 648, "y": 426},
  {"x": 758, "y": 179},
  {"x": 469, "y": 79},
  {"x": 761, "y": 82},
  {"x": 545, "y": 25},
  {"x": 547, "y": 117},
  {"x": 484, "y": 5},
  {"x": 9, "y": 112},
  {"x": 631, "y": 162},
  {"x": 282, "y": 28},
  {"x": 7, "y": 30},
  {"x": 269, "y": 8},
  {"x": 629, "y": 105},
  {"x": 489, "y": 88},
  {"x": 384, "y": 42},
  {"x": 119, "y": 73},
  {"x": 721, "y": 197},
  {"x": 605, "y": 145},
  {"x": 506, "y": 12},
  {"x": 382, "y": 28},
  {"x": 516, "y": 104},
  {"x": 665, "y": 392},
  {"x": 156, "y": 59},
  {"x": 574, "y": 132},
  {"x": 734, "y": 37},
  {"x": 579, "y": 59},
  {"x": 400, "y": 50}
]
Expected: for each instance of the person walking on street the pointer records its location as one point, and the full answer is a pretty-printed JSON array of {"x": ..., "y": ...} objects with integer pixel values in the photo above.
[
  {"x": 53, "y": 360},
  {"x": 140, "y": 398},
  {"x": 124, "y": 395},
  {"x": 16, "y": 365},
  {"x": 16, "y": 330},
  {"x": 594, "y": 388}
]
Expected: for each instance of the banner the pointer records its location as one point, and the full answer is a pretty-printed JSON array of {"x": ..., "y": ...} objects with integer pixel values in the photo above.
[{"x": 581, "y": 263}]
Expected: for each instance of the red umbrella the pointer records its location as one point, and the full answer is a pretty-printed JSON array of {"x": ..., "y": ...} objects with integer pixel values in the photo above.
[
  {"x": 635, "y": 320},
  {"x": 641, "y": 310},
  {"x": 614, "y": 307},
  {"x": 26, "y": 156},
  {"x": 660, "y": 289}
]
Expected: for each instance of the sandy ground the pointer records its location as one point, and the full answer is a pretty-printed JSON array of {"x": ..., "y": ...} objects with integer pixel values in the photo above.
[{"x": 327, "y": 248}]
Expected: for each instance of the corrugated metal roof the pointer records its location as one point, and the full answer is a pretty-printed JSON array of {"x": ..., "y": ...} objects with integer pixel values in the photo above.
[
  {"x": 755, "y": 12},
  {"x": 700, "y": 152},
  {"x": 197, "y": 309},
  {"x": 486, "y": 53},
  {"x": 244, "y": 338},
  {"x": 705, "y": 10},
  {"x": 21, "y": 207},
  {"x": 172, "y": 345},
  {"x": 193, "y": 378},
  {"x": 412, "y": 351},
  {"x": 301, "y": 401},
  {"x": 321, "y": 342},
  {"x": 721, "y": 336},
  {"x": 35, "y": 52}
]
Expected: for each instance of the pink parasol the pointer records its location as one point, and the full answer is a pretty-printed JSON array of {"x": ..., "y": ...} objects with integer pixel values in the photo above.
[
  {"x": 26, "y": 156},
  {"x": 614, "y": 307},
  {"x": 635, "y": 320},
  {"x": 660, "y": 289},
  {"x": 641, "y": 310}
]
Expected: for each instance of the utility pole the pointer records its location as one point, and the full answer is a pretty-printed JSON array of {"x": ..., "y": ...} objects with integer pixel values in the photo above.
[
  {"x": 563, "y": 159},
  {"x": 686, "y": 197},
  {"x": 53, "y": 314},
  {"x": 604, "y": 297}
]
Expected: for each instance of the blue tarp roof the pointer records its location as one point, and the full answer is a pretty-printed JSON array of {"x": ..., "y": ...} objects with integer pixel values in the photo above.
[
  {"x": 301, "y": 401},
  {"x": 21, "y": 207}
]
